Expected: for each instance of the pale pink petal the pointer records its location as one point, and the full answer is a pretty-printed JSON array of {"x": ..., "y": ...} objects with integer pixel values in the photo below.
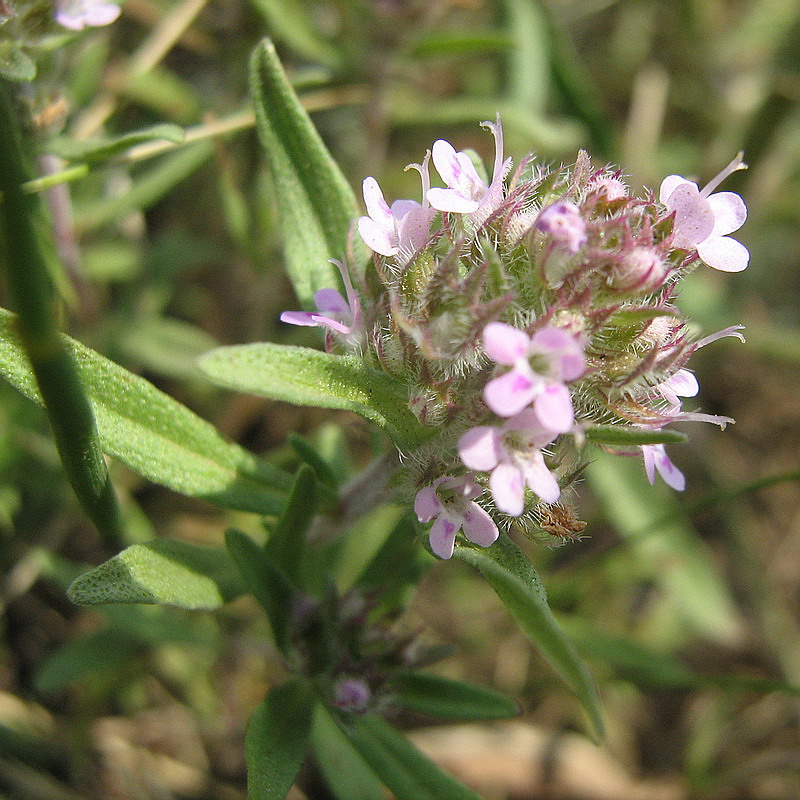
[
  {"x": 414, "y": 230},
  {"x": 508, "y": 489},
  {"x": 669, "y": 472},
  {"x": 694, "y": 219},
  {"x": 479, "y": 448},
  {"x": 724, "y": 254},
  {"x": 682, "y": 383},
  {"x": 528, "y": 423},
  {"x": 504, "y": 344},
  {"x": 445, "y": 159},
  {"x": 376, "y": 237},
  {"x": 331, "y": 302},
  {"x": 402, "y": 207},
  {"x": 376, "y": 205},
  {"x": 479, "y": 527},
  {"x": 565, "y": 349},
  {"x": 451, "y": 200},
  {"x": 669, "y": 185},
  {"x": 510, "y": 393},
  {"x": 305, "y": 318},
  {"x": 648, "y": 451},
  {"x": 554, "y": 408},
  {"x": 443, "y": 537},
  {"x": 333, "y": 324},
  {"x": 426, "y": 504},
  {"x": 540, "y": 480},
  {"x": 730, "y": 212}
]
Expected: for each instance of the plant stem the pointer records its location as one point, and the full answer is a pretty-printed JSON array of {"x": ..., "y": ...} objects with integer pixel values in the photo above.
[{"x": 32, "y": 293}]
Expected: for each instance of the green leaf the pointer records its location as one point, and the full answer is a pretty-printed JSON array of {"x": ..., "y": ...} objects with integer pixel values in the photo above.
[
  {"x": 308, "y": 377},
  {"x": 153, "y": 434},
  {"x": 409, "y": 774},
  {"x": 102, "y": 149},
  {"x": 166, "y": 572},
  {"x": 347, "y": 774},
  {"x": 528, "y": 57},
  {"x": 265, "y": 582},
  {"x": 276, "y": 740},
  {"x": 514, "y": 578},
  {"x": 309, "y": 454},
  {"x": 443, "y": 697},
  {"x": 316, "y": 203},
  {"x": 286, "y": 544},
  {"x": 439, "y": 43},
  {"x": 15, "y": 64},
  {"x": 629, "y": 436}
]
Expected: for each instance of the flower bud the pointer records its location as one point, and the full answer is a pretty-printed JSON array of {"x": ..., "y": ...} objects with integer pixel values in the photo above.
[
  {"x": 564, "y": 223},
  {"x": 640, "y": 269},
  {"x": 351, "y": 694}
]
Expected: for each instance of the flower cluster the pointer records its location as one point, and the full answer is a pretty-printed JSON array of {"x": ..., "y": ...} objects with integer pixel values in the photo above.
[{"x": 524, "y": 312}]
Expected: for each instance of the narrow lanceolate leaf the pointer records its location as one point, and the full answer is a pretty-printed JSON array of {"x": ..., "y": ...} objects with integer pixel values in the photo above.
[
  {"x": 630, "y": 436},
  {"x": 409, "y": 774},
  {"x": 514, "y": 578},
  {"x": 101, "y": 149},
  {"x": 277, "y": 735},
  {"x": 152, "y": 433},
  {"x": 167, "y": 572},
  {"x": 347, "y": 774},
  {"x": 316, "y": 203},
  {"x": 443, "y": 697},
  {"x": 264, "y": 581},
  {"x": 308, "y": 377}
]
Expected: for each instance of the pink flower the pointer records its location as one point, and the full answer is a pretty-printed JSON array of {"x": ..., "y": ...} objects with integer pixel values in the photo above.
[
  {"x": 513, "y": 454},
  {"x": 402, "y": 229},
  {"x": 466, "y": 192},
  {"x": 333, "y": 311},
  {"x": 703, "y": 220},
  {"x": 656, "y": 458},
  {"x": 79, "y": 14},
  {"x": 450, "y": 502},
  {"x": 351, "y": 694},
  {"x": 564, "y": 223},
  {"x": 540, "y": 365}
]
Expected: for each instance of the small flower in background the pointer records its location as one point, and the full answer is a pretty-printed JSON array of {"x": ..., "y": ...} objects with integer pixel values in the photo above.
[
  {"x": 656, "y": 458},
  {"x": 402, "y": 229},
  {"x": 451, "y": 503},
  {"x": 333, "y": 311},
  {"x": 352, "y": 695},
  {"x": 541, "y": 364},
  {"x": 703, "y": 220},
  {"x": 512, "y": 453},
  {"x": 466, "y": 192},
  {"x": 79, "y": 14},
  {"x": 563, "y": 222}
]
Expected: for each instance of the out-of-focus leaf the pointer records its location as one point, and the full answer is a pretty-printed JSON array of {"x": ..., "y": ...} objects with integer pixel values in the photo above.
[
  {"x": 277, "y": 735},
  {"x": 443, "y": 697},
  {"x": 165, "y": 572},
  {"x": 347, "y": 774},
  {"x": 15, "y": 64},
  {"x": 101, "y": 149},
  {"x": 288, "y": 22},
  {"x": 672, "y": 551},
  {"x": 148, "y": 188},
  {"x": 308, "y": 377},
  {"x": 510, "y": 573},
  {"x": 441, "y": 43},
  {"x": 308, "y": 453},
  {"x": 408, "y": 773},
  {"x": 153, "y": 434},
  {"x": 162, "y": 91},
  {"x": 267, "y": 584},
  {"x": 626, "y": 436},
  {"x": 529, "y": 57},
  {"x": 316, "y": 203}
]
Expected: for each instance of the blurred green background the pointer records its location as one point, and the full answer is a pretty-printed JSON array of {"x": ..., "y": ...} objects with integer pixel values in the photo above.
[{"x": 686, "y": 606}]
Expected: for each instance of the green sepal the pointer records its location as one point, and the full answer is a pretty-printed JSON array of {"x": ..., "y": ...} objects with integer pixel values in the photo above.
[
  {"x": 153, "y": 434},
  {"x": 164, "y": 572},
  {"x": 316, "y": 203},
  {"x": 265, "y": 582},
  {"x": 408, "y": 773},
  {"x": 307, "y": 377},
  {"x": 510, "y": 573},
  {"x": 630, "y": 436},
  {"x": 276, "y": 739},
  {"x": 443, "y": 697}
]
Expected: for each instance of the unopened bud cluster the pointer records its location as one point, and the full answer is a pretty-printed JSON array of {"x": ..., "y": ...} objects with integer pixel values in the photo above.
[{"x": 520, "y": 310}]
